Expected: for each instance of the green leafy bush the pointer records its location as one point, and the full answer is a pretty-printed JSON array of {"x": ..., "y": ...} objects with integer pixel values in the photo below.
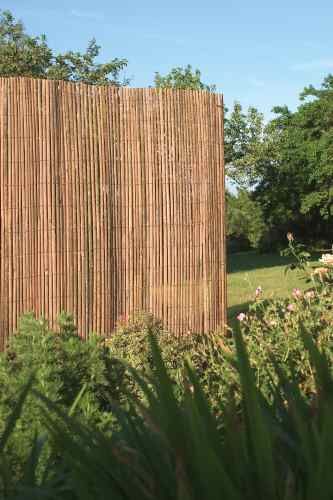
[
  {"x": 208, "y": 354},
  {"x": 130, "y": 343},
  {"x": 171, "y": 448},
  {"x": 63, "y": 364},
  {"x": 271, "y": 327},
  {"x": 245, "y": 222}
]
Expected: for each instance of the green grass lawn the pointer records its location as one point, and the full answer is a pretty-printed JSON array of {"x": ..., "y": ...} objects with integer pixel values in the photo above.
[{"x": 248, "y": 270}]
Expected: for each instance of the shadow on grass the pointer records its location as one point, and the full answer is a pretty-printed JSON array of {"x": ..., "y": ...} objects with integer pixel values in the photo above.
[{"x": 248, "y": 261}]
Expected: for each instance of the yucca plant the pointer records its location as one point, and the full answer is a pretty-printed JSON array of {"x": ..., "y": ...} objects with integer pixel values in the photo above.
[{"x": 171, "y": 449}]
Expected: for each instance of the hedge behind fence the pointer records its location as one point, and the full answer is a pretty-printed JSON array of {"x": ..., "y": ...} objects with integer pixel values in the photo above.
[{"x": 111, "y": 201}]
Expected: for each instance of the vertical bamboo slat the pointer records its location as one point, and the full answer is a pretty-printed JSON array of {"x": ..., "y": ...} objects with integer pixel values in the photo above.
[{"x": 111, "y": 201}]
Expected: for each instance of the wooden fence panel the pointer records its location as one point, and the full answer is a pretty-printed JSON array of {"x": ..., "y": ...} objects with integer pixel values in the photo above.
[{"x": 112, "y": 200}]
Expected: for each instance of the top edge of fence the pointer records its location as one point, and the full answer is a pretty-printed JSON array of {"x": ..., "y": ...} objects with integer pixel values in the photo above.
[{"x": 115, "y": 88}]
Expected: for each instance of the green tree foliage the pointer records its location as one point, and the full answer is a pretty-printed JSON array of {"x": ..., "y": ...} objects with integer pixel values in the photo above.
[
  {"x": 288, "y": 162},
  {"x": 245, "y": 143},
  {"x": 21, "y": 54},
  {"x": 25, "y": 55},
  {"x": 244, "y": 219},
  {"x": 295, "y": 182},
  {"x": 182, "y": 78},
  {"x": 310, "y": 138}
]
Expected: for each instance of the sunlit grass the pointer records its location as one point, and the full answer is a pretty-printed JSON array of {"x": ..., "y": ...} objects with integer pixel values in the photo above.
[{"x": 248, "y": 270}]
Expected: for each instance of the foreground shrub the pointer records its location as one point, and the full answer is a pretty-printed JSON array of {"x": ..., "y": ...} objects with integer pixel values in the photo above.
[
  {"x": 208, "y": 355},
  {"x": 271, "y": 327},
  {"x": 174, "y": 449},
  {"x": 63, "y": 364}
]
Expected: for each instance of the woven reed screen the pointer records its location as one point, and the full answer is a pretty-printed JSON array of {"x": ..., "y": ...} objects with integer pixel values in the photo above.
[{"x": 111, "y": 201}]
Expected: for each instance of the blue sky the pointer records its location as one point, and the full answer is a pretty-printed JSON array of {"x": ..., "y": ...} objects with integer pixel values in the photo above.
[{"x": 258, "y": 52}]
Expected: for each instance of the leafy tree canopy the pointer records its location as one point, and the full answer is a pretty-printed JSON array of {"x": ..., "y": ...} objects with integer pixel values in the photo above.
[
  {"x": 296, "y": 184},
  {"x": 182, "y": 78},
  {"x": 245, "y": 143},
  {"x": 24, "y": 55},
  {"x": 244, "y": 218}
]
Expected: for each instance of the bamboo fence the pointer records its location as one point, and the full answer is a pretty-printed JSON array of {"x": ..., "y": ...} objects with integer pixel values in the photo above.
[{"x": 112, "y": 201}]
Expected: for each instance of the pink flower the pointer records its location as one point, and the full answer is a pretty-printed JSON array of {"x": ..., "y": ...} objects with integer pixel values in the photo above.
[
  {"x": 291, "y": 307},
  {"x": 297, "y": 294},
  {"x": 309, "y": 295},
  {"x": 241, "y": 317},
  {"x": 258, "y": 291}
]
